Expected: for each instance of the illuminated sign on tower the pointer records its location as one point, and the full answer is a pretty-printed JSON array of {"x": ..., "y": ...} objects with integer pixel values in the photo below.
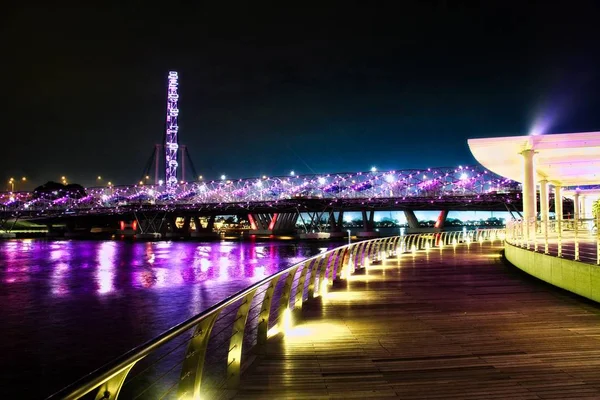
[{"x": 171, "y": 145}]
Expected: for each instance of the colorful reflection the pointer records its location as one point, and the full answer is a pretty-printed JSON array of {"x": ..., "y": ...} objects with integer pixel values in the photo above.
[{"x": 57, "y": 295}]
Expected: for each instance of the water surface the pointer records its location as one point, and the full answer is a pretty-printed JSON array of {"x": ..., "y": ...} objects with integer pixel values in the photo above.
[{"x": 70, "y": 306}]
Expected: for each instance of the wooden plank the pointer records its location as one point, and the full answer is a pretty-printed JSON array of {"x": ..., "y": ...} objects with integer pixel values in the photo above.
[{"x": 438, "y": 325}]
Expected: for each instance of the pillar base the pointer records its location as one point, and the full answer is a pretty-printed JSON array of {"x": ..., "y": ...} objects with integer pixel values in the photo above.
[
  {"x": 148, "y": 236},
  {"x": 176, "y": 235},
  {"x": 76, "y": 234},
  {"x": 204, "y": 235},
  {"x": 268, "y": 232},
  {"x": 54, "y": 234},
  {"x": 338, "y": 234},
  {"x": 368, "y": 234},
  {"x": 315, "y": 235}
]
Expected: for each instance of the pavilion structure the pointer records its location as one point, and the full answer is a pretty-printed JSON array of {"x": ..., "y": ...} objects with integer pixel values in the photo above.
[{"x": 569, "y": 163}]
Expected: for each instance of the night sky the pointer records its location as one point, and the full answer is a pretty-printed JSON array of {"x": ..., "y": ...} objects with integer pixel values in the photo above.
[{"x": 266, "y": 90}]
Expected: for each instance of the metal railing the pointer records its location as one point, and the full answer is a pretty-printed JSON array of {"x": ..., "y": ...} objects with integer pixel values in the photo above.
[
  {"x": 576, "y": 239},
  {"x": 207, "y": 353}
]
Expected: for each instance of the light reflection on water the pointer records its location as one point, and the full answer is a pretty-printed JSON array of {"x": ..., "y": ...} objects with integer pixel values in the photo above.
[{"x": 70, "y": 306}]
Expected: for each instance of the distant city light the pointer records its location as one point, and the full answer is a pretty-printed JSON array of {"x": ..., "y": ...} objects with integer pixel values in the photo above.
[
  {"x": 292, "y": 173},
  {"x": 373, "y": 169},
  {"x": 223, "y": 177}
]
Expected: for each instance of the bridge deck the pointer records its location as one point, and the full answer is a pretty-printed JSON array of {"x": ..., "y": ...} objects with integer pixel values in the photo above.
[{"x": 453, "y": 326}]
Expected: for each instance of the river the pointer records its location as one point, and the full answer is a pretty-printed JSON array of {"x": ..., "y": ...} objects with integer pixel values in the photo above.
[{"x": 70, "y": 306}]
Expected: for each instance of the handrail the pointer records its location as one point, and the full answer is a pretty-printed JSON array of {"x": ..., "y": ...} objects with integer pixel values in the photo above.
[
  {"x": 577, "y": 239},
  {"x": 340, "y": 261}
]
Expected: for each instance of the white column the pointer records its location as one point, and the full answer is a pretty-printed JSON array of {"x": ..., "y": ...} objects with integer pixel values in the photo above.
[
  {"x": 544, "y": 201},
  {"x": 583, "y": 207},
  {"x": 528, "y": 186},
  {"x": 558, "y": 206},
  {"x": 576, "y": 206}
]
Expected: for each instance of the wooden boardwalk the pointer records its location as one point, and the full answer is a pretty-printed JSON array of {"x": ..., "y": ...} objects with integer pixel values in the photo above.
[{"x": 455, "y": 325}]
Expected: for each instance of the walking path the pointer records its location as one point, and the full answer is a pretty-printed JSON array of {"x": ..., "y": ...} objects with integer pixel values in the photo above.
[{"x": 439, "y": 325}]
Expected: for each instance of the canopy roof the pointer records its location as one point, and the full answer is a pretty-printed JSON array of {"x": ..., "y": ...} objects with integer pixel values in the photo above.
[{"x": 567, "y": 159}]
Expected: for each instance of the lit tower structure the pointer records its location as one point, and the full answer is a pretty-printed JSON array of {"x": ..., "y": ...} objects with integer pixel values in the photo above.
[{"x": 171, "y": 145}]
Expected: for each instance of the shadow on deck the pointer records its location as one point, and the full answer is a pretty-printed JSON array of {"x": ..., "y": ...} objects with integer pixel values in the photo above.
[{"x": 443, "y": 325}]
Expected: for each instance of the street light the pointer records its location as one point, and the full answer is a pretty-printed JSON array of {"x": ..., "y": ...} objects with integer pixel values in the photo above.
[
  {"x": 223, "y": 177},
  {"x": 11, "y": 182},
  {"x": 373, "y": 169},
  {"x": 292, "y": 173}
]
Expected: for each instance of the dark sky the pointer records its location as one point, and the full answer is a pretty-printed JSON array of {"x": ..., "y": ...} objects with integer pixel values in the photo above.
[{"x": 266, "y": 90}]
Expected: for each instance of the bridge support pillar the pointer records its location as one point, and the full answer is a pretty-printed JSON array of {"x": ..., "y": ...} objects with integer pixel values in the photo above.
[
  {"x": 368, "y": 224},
  {"x": 335, "y": 225},
  {"x": 411, "y": 219},
  {"x": 172, "y": 231},
  {"x": 127, "y": 228},
  {"x": 441, "y": 220},
  {"x": 273, "y": 223},
  {"x": 207, "y": 232}
]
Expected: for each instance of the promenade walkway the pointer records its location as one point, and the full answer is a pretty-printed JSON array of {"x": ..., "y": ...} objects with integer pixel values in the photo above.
[{"x": 439, "y": 325}]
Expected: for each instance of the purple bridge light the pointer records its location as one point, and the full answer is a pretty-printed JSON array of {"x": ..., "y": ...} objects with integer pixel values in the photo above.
[{"x": 431, "y": 183}]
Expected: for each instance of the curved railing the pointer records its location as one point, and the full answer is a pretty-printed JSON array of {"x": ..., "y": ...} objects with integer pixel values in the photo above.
[
  {"x": 575, "y": 239},
  {"x": 208, "y": 352}
]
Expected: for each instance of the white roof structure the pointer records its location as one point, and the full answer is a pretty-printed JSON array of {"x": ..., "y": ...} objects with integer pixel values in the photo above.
[{"x": 566, "y": 159}]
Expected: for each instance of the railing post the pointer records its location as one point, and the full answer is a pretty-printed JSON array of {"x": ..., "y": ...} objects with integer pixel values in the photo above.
[
  {"x": 313, "y": 278},
  {"x": 598, "y": 238},
  {"x": 265, "y": 312},
  {"x": 559, "y": 246},
  {"x": 324, "y": 268},
  {"x": 331, "y": 269},
  {"x": 193, "y": 364},
  {"x": 110, "y": 389},
  {"x": 576, "y": 240},
  {"x": 535, "y": 231},
  {"x": 340, "y": 262},
  {"x": 284, "y": 300},
  {"x": 234, "y": 357},
  {"x": 299, "y": 297},
  {"x": 546, "y": 235}
]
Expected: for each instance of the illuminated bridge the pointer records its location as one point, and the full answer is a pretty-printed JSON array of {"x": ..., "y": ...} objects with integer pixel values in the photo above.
[
  {"x": 274, "y": 203},
  {"x": 271, "y": 204}
]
